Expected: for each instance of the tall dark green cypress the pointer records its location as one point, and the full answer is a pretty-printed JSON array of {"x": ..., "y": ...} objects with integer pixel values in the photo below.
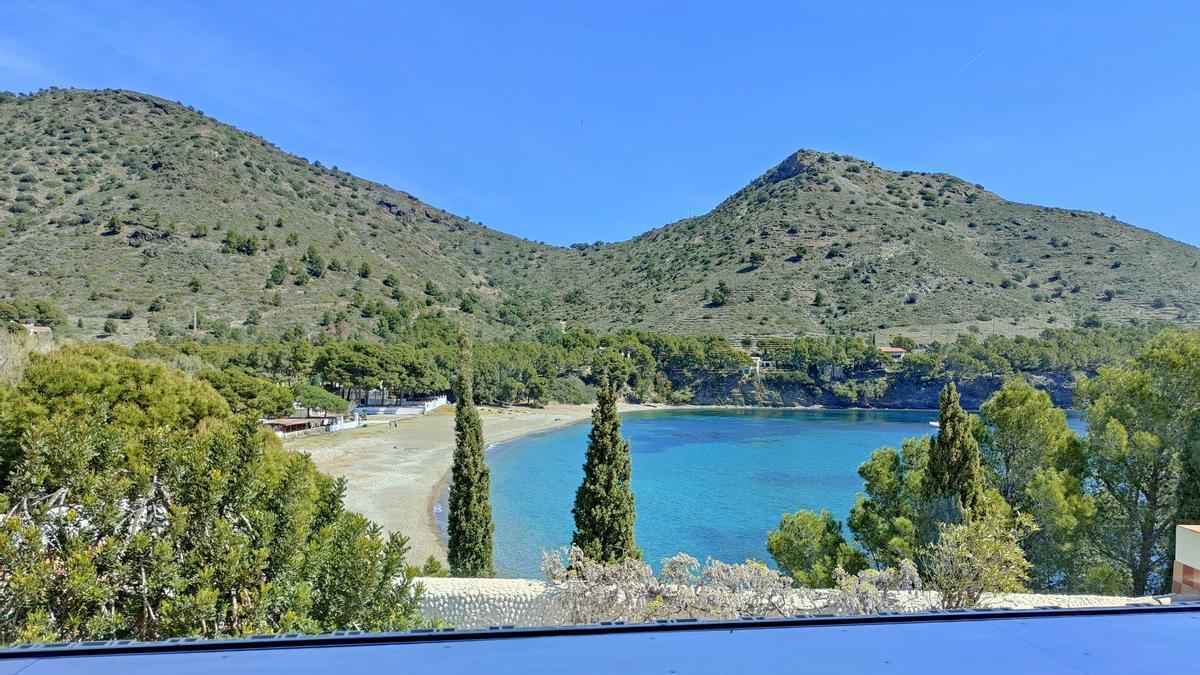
[
  {"x": 470, "y": 509},
  {"x": 604, "y": 511},
  {"x": 955, "y": 468}
]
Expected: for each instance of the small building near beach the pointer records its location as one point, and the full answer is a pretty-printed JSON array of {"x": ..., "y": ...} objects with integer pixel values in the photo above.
[{"x": 418, "y": 405}]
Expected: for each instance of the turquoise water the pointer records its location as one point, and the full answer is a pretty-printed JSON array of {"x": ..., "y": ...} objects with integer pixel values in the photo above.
[{"x": 706, "y": 482}]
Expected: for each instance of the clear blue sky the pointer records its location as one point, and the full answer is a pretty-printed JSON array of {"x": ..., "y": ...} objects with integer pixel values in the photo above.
[{"x": 579, "y": 121}]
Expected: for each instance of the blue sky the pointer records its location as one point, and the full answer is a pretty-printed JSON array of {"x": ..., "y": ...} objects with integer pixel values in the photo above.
[{"x": 576, "y": 121}]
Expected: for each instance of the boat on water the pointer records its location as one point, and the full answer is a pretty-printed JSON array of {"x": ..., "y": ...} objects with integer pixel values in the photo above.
[{"x": 935, "y": 425}]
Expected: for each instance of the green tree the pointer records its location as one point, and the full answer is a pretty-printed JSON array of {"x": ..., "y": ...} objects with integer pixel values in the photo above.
[
  {"x": 313, "y": 262},
  {"x": 1024, "y": 431},
  {"x": 1142, "y": 445},
  {"x": 720, "y": 295},
  {"x": 314, "y": 397},
  {"x": 1062, "y": 558},
  {"x": 889, "y": 520},
  {"x": 246, "y": 393},
  {"x": 110, "y": 327},
  {"x": 604, "y": 504},
  {"x": 954, "y": 475},
  {"x": 141, "y": 508},
  {"x": 365, "y": 365},
  {"x": 279, "y": 272},
  {"x": 809, "y": 547},
  {"x": 1037, "y": 464},
  {"x": 236, "y": 242},
  {"x": 364, "y": 270},
  {"x": 471, "y": 524}
]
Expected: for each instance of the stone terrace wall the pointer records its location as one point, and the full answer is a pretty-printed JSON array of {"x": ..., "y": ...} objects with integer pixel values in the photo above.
[{"x": 481, "y": 603}]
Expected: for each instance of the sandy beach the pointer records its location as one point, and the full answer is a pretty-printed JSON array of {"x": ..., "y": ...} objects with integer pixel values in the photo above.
[{"x": 394, "y": 473}]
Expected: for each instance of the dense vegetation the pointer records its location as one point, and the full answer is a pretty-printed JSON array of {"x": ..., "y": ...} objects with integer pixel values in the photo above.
[
  {"x": 1013, "y": 498},
  {"x": 135, "y": 504},
  {"x": 555, "y": 366},
  {"x": 150, "y": 216}
]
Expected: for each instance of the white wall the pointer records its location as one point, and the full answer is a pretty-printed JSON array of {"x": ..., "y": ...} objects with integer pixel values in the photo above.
[{"x": 1187, "y": 545}]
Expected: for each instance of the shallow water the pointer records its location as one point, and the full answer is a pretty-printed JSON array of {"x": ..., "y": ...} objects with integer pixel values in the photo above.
[{"x": 706, "y": 482}]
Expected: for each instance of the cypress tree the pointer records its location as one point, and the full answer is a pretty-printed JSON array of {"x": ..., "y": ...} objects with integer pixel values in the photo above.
[
  {"x": 470, "y": 510},
  {"x": 954, "y": 469},
  {"x": 604, "y": 511}
]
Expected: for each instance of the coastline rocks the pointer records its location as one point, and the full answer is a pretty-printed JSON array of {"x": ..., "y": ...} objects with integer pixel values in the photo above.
[{"x": 775, "y": 389}]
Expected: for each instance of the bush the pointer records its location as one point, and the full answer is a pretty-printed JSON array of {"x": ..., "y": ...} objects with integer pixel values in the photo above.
[
  {"x": 196, "y": 522},
  {"x": 810, "y": 548},
  {"x": 571, "y": 390},
  {"x": 235, "y": 242},
  {"x": 981, "y": 555},
  {"x": 629, "y": 591}
]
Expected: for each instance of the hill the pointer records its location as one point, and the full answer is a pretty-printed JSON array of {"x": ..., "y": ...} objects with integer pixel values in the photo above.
[
  {"x": 115, "y": 203},
  {"x": 824, "y": 242}
]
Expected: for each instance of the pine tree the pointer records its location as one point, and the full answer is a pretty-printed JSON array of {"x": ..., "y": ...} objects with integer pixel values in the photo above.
[
  {"x": 197, "y": 522},
  {"x": 604, "y": 511},
  {"x": 470, "y": 510},
  {"x": 955, "y": 469}
]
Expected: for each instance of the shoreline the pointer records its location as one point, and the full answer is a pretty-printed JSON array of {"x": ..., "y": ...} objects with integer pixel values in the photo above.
[{"x": 397, "y": 468}]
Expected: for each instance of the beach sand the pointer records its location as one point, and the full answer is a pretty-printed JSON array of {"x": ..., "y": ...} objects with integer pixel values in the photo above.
[{"x": 394, "y": 473}]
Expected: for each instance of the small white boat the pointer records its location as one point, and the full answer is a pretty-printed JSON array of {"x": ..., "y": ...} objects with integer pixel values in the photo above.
[{"x": 935, "y": 425}]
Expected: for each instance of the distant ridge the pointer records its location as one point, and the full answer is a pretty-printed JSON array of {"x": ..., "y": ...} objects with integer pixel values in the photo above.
[{"x": 114, "y": 200}]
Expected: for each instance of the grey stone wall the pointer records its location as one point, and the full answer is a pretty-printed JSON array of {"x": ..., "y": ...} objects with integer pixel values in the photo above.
[{"x": 482, "y": 603}]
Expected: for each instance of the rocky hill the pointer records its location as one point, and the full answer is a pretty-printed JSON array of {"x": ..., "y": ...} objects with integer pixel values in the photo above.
[
  {"x": 114, "y": 200},
  {"x": 115, "y": 203},
  {"x": 823, "y": 241}
]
